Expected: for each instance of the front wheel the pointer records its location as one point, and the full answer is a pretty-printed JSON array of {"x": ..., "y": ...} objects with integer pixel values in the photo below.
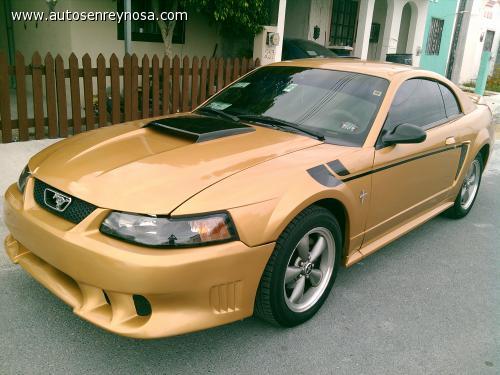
[
  {"x": 468, "y": 192},
  {"x": 302, "y": 269}
]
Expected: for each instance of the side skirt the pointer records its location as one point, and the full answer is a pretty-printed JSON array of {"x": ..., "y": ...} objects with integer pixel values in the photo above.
[{"x": 370, "y": 248}]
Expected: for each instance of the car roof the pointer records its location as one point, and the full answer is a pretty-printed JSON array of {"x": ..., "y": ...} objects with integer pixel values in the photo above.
[
  {"x": 375, "y": 68},
  {"x": 390, "y": 71}
]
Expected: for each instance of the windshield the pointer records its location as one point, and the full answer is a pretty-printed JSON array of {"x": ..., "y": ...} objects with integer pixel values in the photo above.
[{"x": 339, "y": 105}]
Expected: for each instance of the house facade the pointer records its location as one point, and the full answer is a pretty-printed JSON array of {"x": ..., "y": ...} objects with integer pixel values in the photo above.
[
  {"x": 368, "y": 29},
  {"x": 197, "y": 36},
  {"x": 456, "y": 34},
  {"x": 438, "y": 35},
  {"x": 445, "y": 36},
  {"x": 480, "y": 31}
]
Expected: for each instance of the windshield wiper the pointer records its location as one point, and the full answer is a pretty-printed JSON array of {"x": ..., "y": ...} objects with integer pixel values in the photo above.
[
  {"x": 219, "y": 112},
  {"x": 281, "y": 124}
]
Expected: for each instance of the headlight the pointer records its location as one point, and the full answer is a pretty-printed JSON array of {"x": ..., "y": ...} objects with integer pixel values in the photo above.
[
  {"x": 23, "y": 178},
  {"x": 156, "y": 231}
]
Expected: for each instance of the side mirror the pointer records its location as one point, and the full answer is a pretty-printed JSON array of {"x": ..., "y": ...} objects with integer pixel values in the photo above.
[{"x": 404, "y": 133}]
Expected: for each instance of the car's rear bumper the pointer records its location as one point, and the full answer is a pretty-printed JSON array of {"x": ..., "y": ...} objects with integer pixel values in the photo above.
[{"x": 188, "y": 289}]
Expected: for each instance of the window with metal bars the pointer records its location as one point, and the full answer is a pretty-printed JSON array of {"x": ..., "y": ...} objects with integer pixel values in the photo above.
[
  {"x": 343, "y": 30},
  {"x": 434, "y": 38}
]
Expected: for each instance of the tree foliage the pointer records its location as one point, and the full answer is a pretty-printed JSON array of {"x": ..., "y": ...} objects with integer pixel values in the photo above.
[{"x": 234, "y": 16}]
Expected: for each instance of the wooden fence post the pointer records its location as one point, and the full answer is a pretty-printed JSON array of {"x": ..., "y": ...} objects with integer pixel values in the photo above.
[
  {"x": 211, "y": 77},
  {"x": 22, "y": 107},
  {"x": 145, "y": 87},
  {"x": 5, "y": 99},
  {"x": 101, "y": 90},
  {"x": 194, "y": 83},
  {"x": 134, "y": 88},
  {"x": 36, "y": 65},
  {"x": 155, "y": 62},
  {"x": 166, "y": 86},
  {"x": 203, "y": 80},
  {"x": 228, "y": 79},
  {"x": 88, "y": 92},
  {"x": 74, "y": 81},
  {"x": 185, "y": 84},
  {"x": 244, "y": 68},
  {"x": 220, "y": 73},
  {"x": 62, "y": 111},
  {"x": 236, "y": 69},
  {"x": 50, "y": 93},
  {"x": 127, "y": 86},
  {"x": 115, "y": 88},
  {"x": 175, "y": 84}
]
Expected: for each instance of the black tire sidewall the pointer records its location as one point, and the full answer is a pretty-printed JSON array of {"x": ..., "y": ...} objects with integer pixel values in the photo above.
[{"x": 285, "y": 246}]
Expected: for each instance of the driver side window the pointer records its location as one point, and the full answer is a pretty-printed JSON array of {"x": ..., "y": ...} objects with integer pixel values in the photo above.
[{"x": 418, "y": 102}]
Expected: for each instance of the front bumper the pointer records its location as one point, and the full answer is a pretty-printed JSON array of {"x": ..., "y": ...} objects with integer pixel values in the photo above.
[{"x": 188, "y": 289}]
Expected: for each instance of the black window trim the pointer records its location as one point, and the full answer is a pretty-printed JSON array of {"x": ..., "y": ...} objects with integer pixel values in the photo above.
[
  {"x": 461, "y": 110},
  {"x": 378, "y": 143}
]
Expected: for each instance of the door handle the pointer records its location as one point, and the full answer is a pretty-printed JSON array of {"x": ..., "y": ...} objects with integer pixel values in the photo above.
[{"x": 450, "y": 141}]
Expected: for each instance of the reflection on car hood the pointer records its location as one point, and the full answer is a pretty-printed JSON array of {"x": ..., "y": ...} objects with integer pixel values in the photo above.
[{"x": 133, "y": 168}]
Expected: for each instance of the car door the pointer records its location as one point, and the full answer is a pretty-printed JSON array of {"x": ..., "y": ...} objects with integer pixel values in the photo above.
[{"x": 409, "y": 179}]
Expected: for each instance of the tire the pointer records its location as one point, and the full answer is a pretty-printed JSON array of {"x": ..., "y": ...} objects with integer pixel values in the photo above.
[
  {"x": 278, "y": 300},
  {"x": 471, "y": 184}
]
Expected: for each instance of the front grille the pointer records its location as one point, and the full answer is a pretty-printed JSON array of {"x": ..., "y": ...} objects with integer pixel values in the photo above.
[{"x": 76, "y": 211}]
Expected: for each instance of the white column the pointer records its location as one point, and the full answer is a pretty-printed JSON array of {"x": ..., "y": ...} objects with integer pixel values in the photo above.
[
  {"x": 280, "y": 28},
  {"x": 265, "y": 53},
  {"x": 391, "y": 29},
  {"x": 417, "y": 29},
  {"x": 365, "y": 17}
]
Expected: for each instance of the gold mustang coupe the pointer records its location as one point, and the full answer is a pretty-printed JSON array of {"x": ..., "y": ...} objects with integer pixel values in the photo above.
[{"x": 250, "y": 203}]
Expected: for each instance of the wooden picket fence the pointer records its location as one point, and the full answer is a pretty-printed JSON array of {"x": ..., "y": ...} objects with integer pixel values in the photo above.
[{"x": 111, "y": 93}]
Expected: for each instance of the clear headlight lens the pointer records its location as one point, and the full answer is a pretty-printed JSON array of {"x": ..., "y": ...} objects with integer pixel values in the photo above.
[
  {"x": 157, "y": 231},
  {"x": 23, "y": 179}
]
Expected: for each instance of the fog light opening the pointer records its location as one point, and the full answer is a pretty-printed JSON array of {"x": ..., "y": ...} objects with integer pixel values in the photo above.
[{"x": 142, "y": 305}]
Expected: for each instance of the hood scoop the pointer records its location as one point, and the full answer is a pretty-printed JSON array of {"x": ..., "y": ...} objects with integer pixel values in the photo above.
[{"x": 199, "y": 128}]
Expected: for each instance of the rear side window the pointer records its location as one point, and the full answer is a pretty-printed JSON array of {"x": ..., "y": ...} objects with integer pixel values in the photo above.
[
  {"x": 450, "y": 101},
  {"x": 418, "y": 102}
]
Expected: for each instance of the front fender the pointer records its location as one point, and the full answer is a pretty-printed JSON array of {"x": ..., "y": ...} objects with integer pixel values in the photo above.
[{"x": 265, "y": 199}]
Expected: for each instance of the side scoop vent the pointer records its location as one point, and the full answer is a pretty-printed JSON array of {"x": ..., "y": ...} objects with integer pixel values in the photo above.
[{"x": 199, "y": 128}]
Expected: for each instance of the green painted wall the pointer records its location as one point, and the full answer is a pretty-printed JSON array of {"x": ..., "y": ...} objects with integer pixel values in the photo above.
[{"x": 445, "y": 10}]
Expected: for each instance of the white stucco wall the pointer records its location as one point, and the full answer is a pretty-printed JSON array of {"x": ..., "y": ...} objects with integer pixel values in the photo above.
[
  {"x": 101, "y": 37},
  {"x": 320, "y": 15},
  {"x": 53, "y": 37},
  {"x": 379, "y": 15},
  {"x": 471, "y": 48}
]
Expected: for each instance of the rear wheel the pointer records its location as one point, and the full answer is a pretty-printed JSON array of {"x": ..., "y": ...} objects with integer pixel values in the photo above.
[
  {"x": 468, "y": 192},
  {"x": 302, "y": 269}
]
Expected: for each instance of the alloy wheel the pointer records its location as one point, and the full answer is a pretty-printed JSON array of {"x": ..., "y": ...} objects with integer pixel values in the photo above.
[
  {"x": 309, "y": 269},
  {"x": 470, "y": 185}
]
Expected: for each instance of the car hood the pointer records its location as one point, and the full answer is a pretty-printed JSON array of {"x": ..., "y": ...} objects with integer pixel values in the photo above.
[{"x": 134, "y": 168}]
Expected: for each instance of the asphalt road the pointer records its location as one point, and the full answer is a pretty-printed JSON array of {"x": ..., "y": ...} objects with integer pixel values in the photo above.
[{"x": 428, "y": 303}]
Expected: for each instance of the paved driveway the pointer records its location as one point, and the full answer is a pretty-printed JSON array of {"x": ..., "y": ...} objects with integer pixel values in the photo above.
[{"x": 427, "y": 303}]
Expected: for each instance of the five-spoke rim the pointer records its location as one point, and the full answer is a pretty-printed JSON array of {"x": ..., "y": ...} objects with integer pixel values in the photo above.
[
  {"x": 309, "y": 269},
  {"x": 470, "y": 185}
]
